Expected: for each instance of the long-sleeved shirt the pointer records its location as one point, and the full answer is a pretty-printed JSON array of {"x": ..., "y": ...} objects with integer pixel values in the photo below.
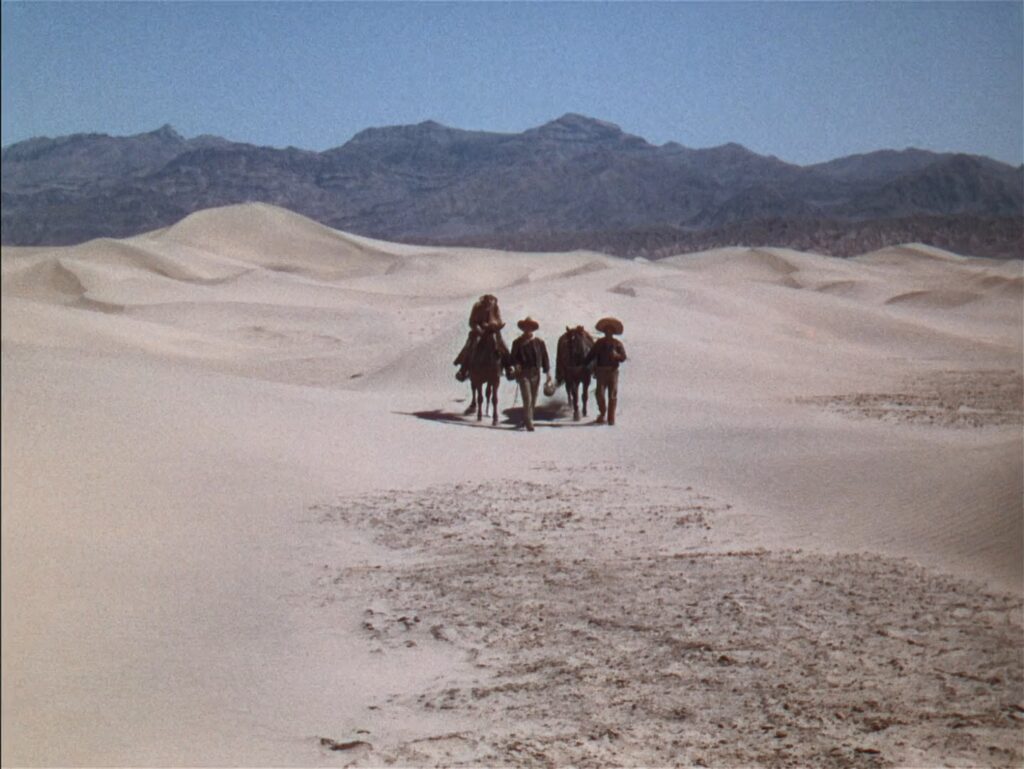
[
  {"x": 530, "y": 353},
  {"x": 608, "y": 352}
]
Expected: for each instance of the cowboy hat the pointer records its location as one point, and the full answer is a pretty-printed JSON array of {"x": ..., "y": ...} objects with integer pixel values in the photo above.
[
  {"x": 613, "y": 325},
  {"x": 528, "y": 324}
]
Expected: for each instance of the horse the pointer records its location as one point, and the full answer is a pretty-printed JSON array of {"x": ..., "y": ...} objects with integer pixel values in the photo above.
[
  {"x": 485, "y": 364},
  {"x": 573, "y": 347}
]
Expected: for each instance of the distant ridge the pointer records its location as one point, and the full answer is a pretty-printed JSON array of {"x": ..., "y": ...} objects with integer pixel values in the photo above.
[{"x": 572, "y": 182}]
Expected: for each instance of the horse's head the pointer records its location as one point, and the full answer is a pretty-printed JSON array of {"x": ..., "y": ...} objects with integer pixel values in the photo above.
[{"x": 579, "y": 341}]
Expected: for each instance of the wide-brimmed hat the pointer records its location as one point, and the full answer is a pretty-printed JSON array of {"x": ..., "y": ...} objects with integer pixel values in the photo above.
[
  {"x": 614, "y": 325},
  {"x": 528, "y": 324}
]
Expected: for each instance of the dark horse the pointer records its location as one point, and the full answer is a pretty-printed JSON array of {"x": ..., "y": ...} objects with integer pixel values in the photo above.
[
  {"x": 573, "y": 347},
  {"x": 485, "y": 366}
]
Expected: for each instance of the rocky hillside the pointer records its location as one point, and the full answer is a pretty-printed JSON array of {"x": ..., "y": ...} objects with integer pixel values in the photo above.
[{"x": 572, "y": 182}]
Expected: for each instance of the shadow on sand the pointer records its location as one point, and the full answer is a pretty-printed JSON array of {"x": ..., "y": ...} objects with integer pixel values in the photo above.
[{"x": 555, "y": 414}]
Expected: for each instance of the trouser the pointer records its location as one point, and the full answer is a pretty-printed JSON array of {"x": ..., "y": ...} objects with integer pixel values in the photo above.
[
  {"x": 529, "y": 384},
  {"x": 607, "y": 391}
]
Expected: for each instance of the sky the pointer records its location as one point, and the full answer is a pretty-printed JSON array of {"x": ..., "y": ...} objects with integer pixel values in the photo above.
[{"x": 806, "y": 82}]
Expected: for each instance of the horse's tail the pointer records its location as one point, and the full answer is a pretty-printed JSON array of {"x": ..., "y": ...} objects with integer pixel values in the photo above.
[{"x": 562, "y": 358}]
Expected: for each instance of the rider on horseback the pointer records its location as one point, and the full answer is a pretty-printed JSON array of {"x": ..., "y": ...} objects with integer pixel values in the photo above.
[{"x": 484, "y": 318}]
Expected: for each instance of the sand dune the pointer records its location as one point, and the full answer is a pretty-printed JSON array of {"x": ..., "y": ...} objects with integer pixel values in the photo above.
[
  {"x": 274, "y": 238},
  {"x": 246, "y": 522},
  {"x": 940, "y": 299},
  {"x": 911, "y": 253}
]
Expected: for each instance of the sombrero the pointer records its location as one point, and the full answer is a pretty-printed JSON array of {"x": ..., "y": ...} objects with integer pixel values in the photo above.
[
  {"x": 528, "y": 324},
  {"x": 614, "y": 325}
]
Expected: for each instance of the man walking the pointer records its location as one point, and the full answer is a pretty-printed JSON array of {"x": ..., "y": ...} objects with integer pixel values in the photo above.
[
  {"x": 529, "y": 357},
  {"x": 607, "y": 352}
]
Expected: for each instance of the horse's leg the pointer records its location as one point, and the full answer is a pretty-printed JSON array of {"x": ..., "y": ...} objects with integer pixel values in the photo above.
[
  {"x": 574, "y": 399},
  {"x": 586, "y": 387},
  {"x": 494, "y": 401},
  {"x": 478, "y": 396}
]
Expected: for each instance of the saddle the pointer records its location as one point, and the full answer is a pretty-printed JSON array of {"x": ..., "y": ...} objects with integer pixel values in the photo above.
[{"x": 487, "y": 328}]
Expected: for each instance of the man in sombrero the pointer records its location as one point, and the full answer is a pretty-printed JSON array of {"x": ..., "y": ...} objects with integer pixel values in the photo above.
[
  {"x": 529, "y": 357},
  {"x": 607, "y": 353},
  {"x": 484, "y": 318}
]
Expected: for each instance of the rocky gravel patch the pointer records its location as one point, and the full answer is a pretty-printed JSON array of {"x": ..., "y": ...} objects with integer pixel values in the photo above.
[
  {"x": 605, "y": 629},
  {"x": 959, "y": 399}
]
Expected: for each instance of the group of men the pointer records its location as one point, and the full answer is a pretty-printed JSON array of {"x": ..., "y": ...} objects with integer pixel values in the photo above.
[{"x": 529, "y": 357}]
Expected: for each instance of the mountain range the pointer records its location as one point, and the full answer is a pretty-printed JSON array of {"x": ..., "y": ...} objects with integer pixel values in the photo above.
[{"x": 573, "y": 182}]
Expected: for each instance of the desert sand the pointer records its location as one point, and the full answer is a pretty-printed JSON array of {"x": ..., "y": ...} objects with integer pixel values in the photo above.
[{"x": 245, "y": 521}]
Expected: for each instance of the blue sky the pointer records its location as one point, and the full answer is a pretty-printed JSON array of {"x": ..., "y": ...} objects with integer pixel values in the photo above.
[{"x": 804, "y": 81}]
